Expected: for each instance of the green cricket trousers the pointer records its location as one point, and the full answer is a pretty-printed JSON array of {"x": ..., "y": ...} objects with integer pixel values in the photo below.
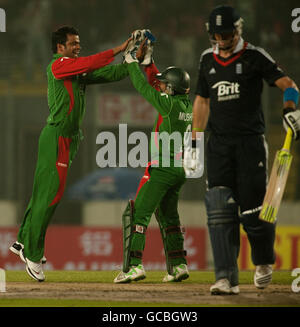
[
  {"x": 159, "y": 190},
  {"x": 55, "y": 153}
]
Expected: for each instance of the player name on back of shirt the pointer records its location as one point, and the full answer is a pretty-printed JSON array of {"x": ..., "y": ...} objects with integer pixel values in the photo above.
[{"x": 185, "y": 116}]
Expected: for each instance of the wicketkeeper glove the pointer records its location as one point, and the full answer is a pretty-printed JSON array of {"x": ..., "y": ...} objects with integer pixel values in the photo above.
[
  {"x": 148, "y": 59},
  {"x": 138, "y": 36},
  {"x": 130, "y": 57},
  {"x": 191, "y": 162},
  {"x": 291, "y": 118}
]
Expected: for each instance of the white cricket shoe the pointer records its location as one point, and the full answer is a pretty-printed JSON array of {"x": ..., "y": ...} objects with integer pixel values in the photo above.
[
  {"x": 180, "y": 273},
  {"x": 223, "y": 287},
  {"x": 16, "y": 249},
  {"x": 34, "y": 269},
  {"x": 135, "y": 274},
  {"x": 263, "y": 276},
  {"x": 168, "y": 278},
  {"x": 235, "y": 290}
]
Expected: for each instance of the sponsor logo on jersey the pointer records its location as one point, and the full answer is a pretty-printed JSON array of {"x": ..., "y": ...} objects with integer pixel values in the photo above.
[
  {"x": 185, "y": 116},
  {"x": 227, "y": 90}
]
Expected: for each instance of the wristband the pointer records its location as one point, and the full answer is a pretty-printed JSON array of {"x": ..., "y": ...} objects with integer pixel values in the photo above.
[
  {"x": 197, "y": 129},
  {"x": 291, "y": 94}
]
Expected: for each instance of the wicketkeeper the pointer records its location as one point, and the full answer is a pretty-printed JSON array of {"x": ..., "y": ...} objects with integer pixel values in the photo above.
[
  {"x": 159, "y": 188},
  {"x": 68, "y": 75}
]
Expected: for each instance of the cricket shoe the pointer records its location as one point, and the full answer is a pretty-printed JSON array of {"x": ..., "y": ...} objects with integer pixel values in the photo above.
[
  {"x": 263, "y": 276},
  {"x": 223, "y": 287},
  {"x": 135, "y": 274},
  {"x": 17, "y": 247},
  {"x": 180, "y": 273},
  {"x": 34, "y": 269}
]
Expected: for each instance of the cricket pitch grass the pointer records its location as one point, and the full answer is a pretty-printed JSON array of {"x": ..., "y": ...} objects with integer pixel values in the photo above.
[{"x": 96, "y": 289}]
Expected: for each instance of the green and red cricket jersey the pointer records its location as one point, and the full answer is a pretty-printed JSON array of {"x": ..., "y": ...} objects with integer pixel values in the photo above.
[
  {"x": 66, "y": 90},
  {"x": 174, "y": 111}
]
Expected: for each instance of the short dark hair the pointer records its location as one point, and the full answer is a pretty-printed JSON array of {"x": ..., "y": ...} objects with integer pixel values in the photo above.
[{"x": 60, "y": 36}]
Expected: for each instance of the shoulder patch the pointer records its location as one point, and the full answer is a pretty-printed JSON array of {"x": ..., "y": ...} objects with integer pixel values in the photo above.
[
  {"x": 209, "y": 50},
  {"x": 205, "y": 52},
  {"x": 250, "y": 46}
]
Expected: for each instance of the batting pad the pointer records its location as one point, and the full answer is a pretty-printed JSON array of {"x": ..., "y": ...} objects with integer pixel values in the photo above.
[{"x": 127, "y": 224}]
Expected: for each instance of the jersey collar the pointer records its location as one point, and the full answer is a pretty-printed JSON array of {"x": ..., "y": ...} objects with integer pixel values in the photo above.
[
  {"x": 57, "y": 55},
  {"x": 238, "y": 51},
  {"x": 238, "y": 47}
]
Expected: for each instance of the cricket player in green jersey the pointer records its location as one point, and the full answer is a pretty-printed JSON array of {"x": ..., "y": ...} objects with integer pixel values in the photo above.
[
  {"x": 159, "y": 188},
  {"x": 68, "y": 74}
]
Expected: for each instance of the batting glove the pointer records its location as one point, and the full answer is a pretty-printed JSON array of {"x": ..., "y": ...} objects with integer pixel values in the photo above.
[
  {"x": 191, "y": 162},
  {"x": 291, "y": 119}
]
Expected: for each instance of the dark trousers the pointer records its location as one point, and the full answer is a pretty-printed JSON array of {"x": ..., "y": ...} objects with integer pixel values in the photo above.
[{"x": 240, "y": 163}]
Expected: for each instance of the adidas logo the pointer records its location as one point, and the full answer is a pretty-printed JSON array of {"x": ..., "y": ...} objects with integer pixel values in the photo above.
[
  {"x": 230, "y": 200},
  {"x": 212, "y": 71},
  {"x": 261, "y": 164}
]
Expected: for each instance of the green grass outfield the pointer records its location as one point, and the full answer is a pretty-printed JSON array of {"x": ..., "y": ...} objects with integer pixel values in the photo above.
[
  {"x": 202, "y": 277},
  {"x": 196, "y": 277}
]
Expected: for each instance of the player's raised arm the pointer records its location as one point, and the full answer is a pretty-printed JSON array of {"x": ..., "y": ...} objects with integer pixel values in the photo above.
[
  {"x": 160, "y": 100},
  {"x": 172, "y": 81},
  {"x": 68, "y": 62},
  {"x": 65, "y": 67},
  {"x": 144, "y": 55},
  {"x": 107, "y": 74},
  {"x": 135, "y": 53}
]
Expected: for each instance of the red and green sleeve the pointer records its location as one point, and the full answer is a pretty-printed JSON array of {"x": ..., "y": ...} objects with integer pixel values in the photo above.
[
  {"x": 65, "y": 67},
  {"x": 151, "y": 71}
]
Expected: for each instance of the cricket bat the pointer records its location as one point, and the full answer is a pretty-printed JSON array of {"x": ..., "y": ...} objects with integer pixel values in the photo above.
[{"x": 278, "y": 178}]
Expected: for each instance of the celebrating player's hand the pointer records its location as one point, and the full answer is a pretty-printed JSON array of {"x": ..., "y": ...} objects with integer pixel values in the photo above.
[
  {"x": 147, "y": 48},
  {"x": 141, "y": 51},
  {"x": 147, "y": 58},
  {"x": 291, "y": 119},
  {"x": 121, "y": 47}
]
